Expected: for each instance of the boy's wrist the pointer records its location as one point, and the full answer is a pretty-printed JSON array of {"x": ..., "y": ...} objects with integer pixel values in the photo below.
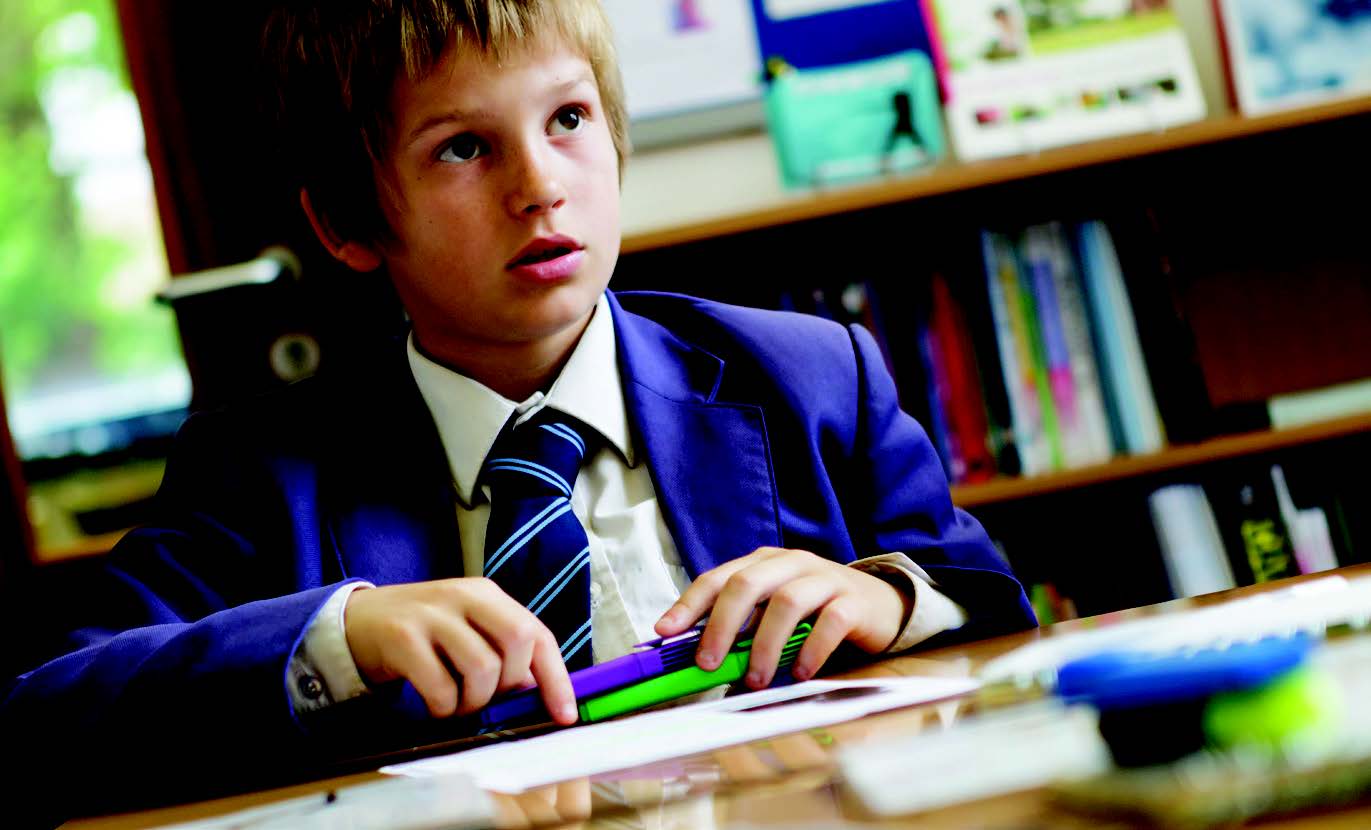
[
  {"x": 927, "y": 611},
  {"x": 323, "y": 670}
]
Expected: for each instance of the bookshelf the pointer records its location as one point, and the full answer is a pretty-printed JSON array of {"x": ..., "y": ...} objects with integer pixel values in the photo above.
[
  {"x": 1172, "y": 458},
  {"x": 1245, "y": 208},
  {"x": 743, "y": 194}
]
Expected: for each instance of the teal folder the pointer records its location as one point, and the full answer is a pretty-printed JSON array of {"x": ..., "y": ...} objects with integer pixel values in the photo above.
[{"x": 856, "y": 120}]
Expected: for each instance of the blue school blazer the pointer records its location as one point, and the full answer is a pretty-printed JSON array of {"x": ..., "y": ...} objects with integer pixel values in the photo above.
[{"x": 760, "y": 428}]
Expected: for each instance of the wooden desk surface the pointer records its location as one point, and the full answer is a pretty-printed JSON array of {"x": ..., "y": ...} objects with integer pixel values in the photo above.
[{"x": 780, "y": 782}]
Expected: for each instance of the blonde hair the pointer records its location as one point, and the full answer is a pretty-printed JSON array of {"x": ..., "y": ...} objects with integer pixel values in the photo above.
[{"x": 334, "y": 63}]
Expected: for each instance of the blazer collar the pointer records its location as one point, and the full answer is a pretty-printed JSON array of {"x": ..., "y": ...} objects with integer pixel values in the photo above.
[{"x": 710, "y": 460}]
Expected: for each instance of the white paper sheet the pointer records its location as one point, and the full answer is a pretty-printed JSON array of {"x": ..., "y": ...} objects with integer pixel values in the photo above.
[{"x": 655, "y": 736}]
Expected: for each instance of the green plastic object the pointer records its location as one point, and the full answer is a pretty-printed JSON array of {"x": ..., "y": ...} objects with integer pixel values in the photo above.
[
  {"x": 1301, "y": 706},
  {"x": 855, "y": 120},
  {"x": 682, "y": 682}
]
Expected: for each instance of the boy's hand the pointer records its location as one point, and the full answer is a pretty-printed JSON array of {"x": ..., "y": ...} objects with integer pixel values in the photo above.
[
  {"x": 435, "y": 634},
  {"x": 794, "y": 584}
]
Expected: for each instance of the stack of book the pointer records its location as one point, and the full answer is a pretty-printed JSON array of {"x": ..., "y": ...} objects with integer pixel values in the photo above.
[{"x": 1032, "y": 366}]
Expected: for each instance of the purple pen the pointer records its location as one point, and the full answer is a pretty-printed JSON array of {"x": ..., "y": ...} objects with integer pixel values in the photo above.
[{"x": 656, "y": 657}]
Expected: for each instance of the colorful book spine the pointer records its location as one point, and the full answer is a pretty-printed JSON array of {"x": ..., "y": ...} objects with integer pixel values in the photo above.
[
  {"x": 963, "y": 401},
  {"x": 1090, "y": 442},
  {"x": 1132, "y": 406},
  {"x": 1015, "y": 351},
  {"x": 1050, "y": 361}
]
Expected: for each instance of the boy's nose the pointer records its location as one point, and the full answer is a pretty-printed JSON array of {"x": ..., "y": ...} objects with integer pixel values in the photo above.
[{"x": 536, "y": 188}]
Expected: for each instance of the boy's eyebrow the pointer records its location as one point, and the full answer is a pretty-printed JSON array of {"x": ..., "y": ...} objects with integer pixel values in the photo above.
[{"x": 456, "y": 115}]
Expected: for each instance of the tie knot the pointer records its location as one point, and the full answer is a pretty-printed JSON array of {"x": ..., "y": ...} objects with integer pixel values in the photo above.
[{"x": 540, "y": 456}]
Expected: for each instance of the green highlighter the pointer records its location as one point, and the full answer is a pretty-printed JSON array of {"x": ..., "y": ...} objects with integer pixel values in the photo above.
[{"x": 686, "y": 681}]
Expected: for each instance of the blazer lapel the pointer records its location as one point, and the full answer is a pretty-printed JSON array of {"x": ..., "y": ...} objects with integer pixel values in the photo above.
[
  {"x": 710, "y": 461},
  {"x": 390, "y": 497}
]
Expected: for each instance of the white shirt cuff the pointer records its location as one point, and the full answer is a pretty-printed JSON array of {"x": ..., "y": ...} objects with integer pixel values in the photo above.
[
  {"x": 933, "y": 612},
  {"x": 322, "y": 670}
]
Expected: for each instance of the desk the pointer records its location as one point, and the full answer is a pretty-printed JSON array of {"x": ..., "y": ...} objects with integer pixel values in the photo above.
[{"x": 781, "y": 782}]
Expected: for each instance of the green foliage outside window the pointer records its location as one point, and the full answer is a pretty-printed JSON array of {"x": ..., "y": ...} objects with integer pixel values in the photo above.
[{"x": 80, "y": 251}]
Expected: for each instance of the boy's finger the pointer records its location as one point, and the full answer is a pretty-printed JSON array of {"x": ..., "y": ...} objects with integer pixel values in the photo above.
[
  {"x": 513, "y": 631},
  {"x": 787, "y": 607},
  {"x": 475, "y": 661},
  {"x": 415, "y": 661},
  {"x": 700, "y": 595},
  {"x": 697, "y": 599},
  {"x": 742, "y": 593},
  {"x": 834, "y": 624},
  {"x": 549, "y": 671}
]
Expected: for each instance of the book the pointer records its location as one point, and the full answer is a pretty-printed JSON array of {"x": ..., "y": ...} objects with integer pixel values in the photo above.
[
  {"x": 1191, "y": 545},
  {"x": 1022, "y": 77},
  {"x": 1144, "y": 246},
  {"x": 1016, "y": 353},
  {"x": 936, "y": 391},
  {"x": 1255, "y": 532},
  {"x": 1310, "y": 535},
  {"x": 960, "y": 395},
  {"x": 1052, "y": 359},
  {"x": 1088, "y": 436},
  {"x": 1292, "y": 53},
  {"x": 1300, "y": 408},
  {"x": 980, "y": 321},
  {"x": 1128, "y": 389}
]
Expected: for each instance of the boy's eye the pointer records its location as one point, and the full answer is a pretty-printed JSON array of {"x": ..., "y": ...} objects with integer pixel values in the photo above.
[
  {"x": 568, "y": 119},
  {"x": 462, "y": 149}
]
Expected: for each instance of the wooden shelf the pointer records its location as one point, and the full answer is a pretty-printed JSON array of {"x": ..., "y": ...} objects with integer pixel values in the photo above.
[
  {"x": 1172, "y": 458},
  {"x": 951, "y": 177}
]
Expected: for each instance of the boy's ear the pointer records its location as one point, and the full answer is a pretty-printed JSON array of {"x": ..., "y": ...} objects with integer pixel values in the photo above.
[{"x": 355, "y": 255}]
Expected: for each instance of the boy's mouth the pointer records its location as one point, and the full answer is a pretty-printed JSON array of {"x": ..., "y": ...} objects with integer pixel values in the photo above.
[
  {"x": 543, "y": 256},
  {"x": 545, "y": 249}
]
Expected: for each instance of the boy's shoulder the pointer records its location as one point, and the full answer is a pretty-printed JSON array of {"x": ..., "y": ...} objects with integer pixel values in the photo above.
[
  {"x": 769, "y": 355},
  {"x": 725, "y": 329}
]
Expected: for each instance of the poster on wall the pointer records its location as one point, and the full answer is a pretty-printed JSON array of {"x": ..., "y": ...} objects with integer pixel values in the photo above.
[
  {"x": 1292, "y": 53},
  {"x": 685, "y": 55},
  {"x": 1026, "y": 75}
]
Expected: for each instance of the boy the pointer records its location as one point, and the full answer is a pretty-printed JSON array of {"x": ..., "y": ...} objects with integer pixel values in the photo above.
[{"x": 320, "y": 552}]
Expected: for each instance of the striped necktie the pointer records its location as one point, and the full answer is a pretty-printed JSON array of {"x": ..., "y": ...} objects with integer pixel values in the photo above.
[{"x": 536, "y": 548}]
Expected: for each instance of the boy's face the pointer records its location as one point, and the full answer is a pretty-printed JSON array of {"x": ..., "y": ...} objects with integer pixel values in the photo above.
[{"x": 502, "y": 190}]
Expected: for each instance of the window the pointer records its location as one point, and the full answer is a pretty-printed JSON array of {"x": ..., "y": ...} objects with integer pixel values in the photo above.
[{"x": 91, "y": 363}]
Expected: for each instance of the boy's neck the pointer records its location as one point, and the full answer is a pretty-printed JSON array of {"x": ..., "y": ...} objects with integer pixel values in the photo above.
[{"x": 515, "y": 371}]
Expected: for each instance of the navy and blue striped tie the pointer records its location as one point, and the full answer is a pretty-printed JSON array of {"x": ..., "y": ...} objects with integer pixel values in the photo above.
[{"x": 536, "y": 548}]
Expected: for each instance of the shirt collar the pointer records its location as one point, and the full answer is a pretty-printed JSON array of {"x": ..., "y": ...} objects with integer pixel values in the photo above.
[{"x": 469, "y": 415}]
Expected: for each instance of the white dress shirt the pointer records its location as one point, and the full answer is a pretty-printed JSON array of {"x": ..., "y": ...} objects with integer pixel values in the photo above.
[{"x": 635, "y": 570}]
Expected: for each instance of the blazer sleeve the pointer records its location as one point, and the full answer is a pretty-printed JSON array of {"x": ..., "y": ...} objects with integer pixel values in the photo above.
[
  {"x": 910, "y": 509},
  {"x": 160, "y": 669}
]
